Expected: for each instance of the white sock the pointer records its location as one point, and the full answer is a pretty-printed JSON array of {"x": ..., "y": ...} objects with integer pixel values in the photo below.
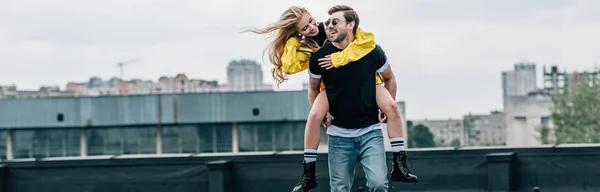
[
  {"x": 310, "y": 155},
  {"x": 397, "y": 144}
]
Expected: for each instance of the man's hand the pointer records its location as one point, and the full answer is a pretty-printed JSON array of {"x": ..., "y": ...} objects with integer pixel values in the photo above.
[
  {"x": 382, "y": 117},
  {"x": 325, "y": 62},
  {"x": 327, "y": 120}
]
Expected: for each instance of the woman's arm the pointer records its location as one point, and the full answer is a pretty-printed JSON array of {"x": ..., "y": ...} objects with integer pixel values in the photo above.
[
  {"x": 363, "y": 44},
  {"x": 295, "y": 58}
]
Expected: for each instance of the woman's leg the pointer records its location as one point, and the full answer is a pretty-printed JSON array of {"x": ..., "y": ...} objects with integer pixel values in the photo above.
[
  {"x": 312, "y": 131},
  {"x": 312, "y": 134},
  {"x": 388, "y": 106}
]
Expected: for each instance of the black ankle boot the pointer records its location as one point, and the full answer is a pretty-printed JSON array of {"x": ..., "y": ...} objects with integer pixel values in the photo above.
[
  {"x": 308, "y": 180},
  {"x": 400, "y": 171}
]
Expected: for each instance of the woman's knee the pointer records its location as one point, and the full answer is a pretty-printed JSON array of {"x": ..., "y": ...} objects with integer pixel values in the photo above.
[
  {"x": 317, "y": 113},
  {"x": 319, "y": 108},
  {"x": 390, "y": 108},
  {"x": 316, "y": 116}
]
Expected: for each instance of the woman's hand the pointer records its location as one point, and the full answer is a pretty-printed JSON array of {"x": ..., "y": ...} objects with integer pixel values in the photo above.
[{"x": 325, "y": 62}]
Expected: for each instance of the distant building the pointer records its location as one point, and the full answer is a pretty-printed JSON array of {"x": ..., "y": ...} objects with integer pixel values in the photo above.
[
  {"x": 559, "y": 82},
  {"x": 488, "y": 129},
  {"x": 245, "y": 75},
  {"x": 165, "y": 85},
  {"x": 526, "y": 114},
  {"x": 520, "y": 81},
  {"x": 11, "y": 92},
  {"x": 524, "y": 117},
  {"x": 242, "y": 75},
  {"x": 446, "y": 130}
]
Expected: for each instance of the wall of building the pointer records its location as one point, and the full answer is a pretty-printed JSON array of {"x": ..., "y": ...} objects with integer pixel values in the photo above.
[
  {"x": 154, "y": 109},
  {"x": 552, "y": 169},
  {"x": 486, "y": 129},
  {"x": 205, "y": 123},
  {"x": 524, "y": 116}
]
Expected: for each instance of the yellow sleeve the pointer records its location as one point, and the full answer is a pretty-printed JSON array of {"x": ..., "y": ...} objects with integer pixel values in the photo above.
[
  {"x": 362, "y": 45},
  {"x": 378, "y": 78},
  {"x": 295, "y": 58}
]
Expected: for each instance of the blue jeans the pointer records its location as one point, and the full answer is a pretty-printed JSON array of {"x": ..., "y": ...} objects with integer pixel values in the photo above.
[{"x": 367, "y": 149}]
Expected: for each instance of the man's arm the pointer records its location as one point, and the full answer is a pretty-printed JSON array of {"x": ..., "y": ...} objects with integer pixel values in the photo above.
[
  {"x": 389, "y": 81},
  {"x": 384, "y": 68}
]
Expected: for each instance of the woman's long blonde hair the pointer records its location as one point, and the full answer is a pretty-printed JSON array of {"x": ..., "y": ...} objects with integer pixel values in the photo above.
[{"x": 286, "y": 28}]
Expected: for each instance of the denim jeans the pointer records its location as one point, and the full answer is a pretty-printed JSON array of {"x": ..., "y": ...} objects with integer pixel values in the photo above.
[{"x": 344, "y": 153}]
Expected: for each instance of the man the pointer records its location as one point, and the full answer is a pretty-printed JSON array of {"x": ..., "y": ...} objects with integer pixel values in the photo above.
[{"x": 355, "y": 133}]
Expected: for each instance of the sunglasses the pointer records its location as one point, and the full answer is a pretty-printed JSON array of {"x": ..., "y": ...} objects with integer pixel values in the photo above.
[{"x": 334, "y": 22}]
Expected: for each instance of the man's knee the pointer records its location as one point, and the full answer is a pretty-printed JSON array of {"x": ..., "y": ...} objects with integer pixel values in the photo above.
[
  {"x": 379, "y": 185},
  {"x": 377, "y": 173}
]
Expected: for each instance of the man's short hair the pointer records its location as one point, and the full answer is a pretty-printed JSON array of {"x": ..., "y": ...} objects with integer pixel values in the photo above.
[{"x": 349, "y": 14}]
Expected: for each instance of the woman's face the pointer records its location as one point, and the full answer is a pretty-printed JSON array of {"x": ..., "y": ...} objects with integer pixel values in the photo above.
[{"x": 307, "y": 26}]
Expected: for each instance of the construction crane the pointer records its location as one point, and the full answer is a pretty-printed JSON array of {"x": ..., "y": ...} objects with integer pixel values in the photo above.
[{"x": 123, "y": 64}]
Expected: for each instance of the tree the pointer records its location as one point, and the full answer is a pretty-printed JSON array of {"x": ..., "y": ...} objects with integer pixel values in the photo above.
[
  {"x": 420, "y": 136},
  {"x": 546, "y": 136},
  {"x": 439, "y": 142},
  {"x": 455, "y": 143},
  {"x": 576, "y": 117},
  {"x": 481, "y": 143}
]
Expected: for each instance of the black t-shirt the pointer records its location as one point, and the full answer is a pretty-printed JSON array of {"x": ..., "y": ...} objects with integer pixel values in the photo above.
[
  {"x": 351, "y": 89},
  {"x": 321, "y": 36}
]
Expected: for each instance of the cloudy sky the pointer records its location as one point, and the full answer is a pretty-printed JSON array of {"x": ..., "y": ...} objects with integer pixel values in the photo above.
[{"x": 446, "y": 54}]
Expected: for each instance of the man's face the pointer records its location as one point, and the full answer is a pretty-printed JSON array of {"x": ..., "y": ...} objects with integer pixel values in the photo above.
[{"x": 337, "y": 27}]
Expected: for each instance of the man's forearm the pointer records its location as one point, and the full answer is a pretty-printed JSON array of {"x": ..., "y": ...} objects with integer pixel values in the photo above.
[
  {"x": 312, "y": 95},
  {"x": 390, "y": 85}
]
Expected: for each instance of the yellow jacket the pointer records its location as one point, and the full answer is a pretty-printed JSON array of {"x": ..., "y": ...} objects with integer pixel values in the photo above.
[{"x": 296, "y": 58}]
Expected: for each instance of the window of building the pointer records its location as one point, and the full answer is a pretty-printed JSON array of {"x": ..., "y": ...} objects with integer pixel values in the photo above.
[
  {"x": 545, "y": 120},
  {"x": 255, "y": 112},
  {"x": 3, "y": 144},
  {"x": 41, "y": 143},
  {"x": 202, "y": 138},
  {"x": 60, "y": 117},
  {"x": 121, "y": 140},
  {"x": 271, "y": 136}
]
